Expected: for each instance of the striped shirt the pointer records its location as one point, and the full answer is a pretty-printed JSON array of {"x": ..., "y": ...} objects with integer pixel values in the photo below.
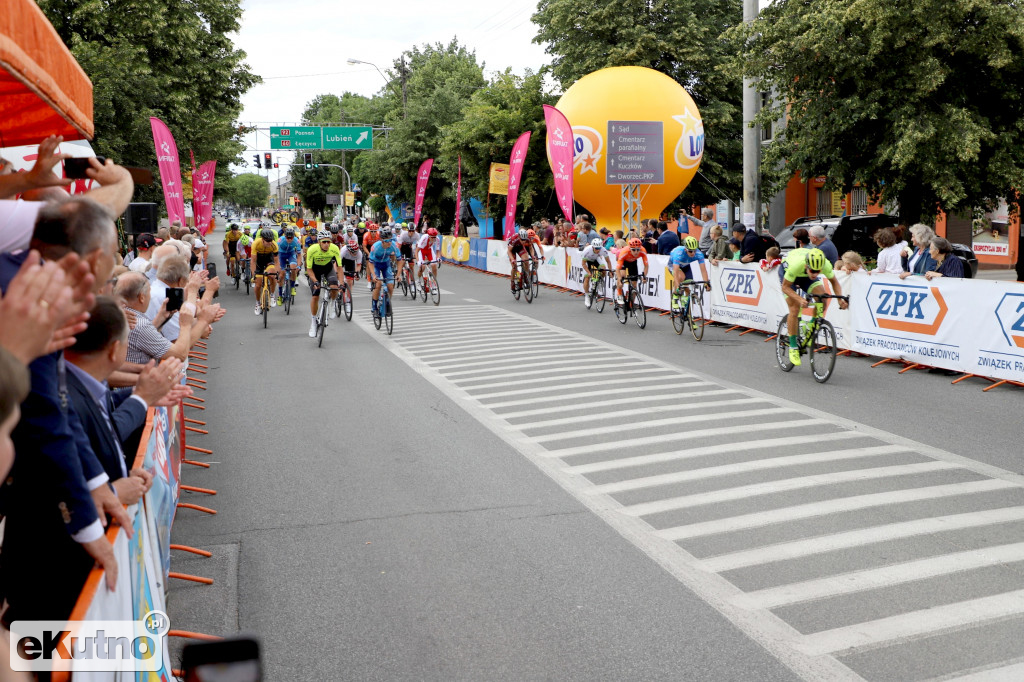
[{"x": 145, "y": 343}]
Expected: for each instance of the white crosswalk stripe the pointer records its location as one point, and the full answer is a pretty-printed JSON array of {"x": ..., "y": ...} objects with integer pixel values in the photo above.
[{"x": 687, "y": 466}]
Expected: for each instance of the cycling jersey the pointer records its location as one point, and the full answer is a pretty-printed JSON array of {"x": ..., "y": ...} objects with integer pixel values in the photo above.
[
  {"x": 680, "y": 257},
  {"x": 590, "y": 254},
  {"x": 264, "y": 254},
  {"x": 795, "y": 263},
  {"x": 316, "y": 256},
  {"x": 288, "y": 247},
  {"x": 348, "y": 254},
  {"x": 233, "y": 237},
  {"x": 427, "y": 245},
  {"x": 370, "y": 238},
  {"x": 627, "y": 256},
  {"x": 382, "y": 254}
]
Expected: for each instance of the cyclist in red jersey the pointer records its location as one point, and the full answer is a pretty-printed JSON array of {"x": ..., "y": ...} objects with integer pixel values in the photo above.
[
  {"x": 627, "y": 265},
  {"x": 369, "y": 239},
  {"x": 519, "y": 244}
]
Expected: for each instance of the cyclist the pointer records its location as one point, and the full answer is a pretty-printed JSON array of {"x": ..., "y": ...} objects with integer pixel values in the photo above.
[
  {"x": 231, "y": 247},
  {"x": 322, "y": 260},
  {"x": 428, "y": 248},
  {"x": 592, "y": 256},
  {"x": 245, "y": 242},
  {"x": 405, "y": 242},
  {"x": 382, "y": 258},
  {"x": 626, "y": 267},
  {"x": 682, "y": 259},
  {"x": 369, "y": 239},
  {"x": 351, "y": 258},
  {"x": 288, "y": 248},
  {"x": 262, "y": 262},
  {"x": 804, "y": 268},
  {"x": 519, "y": 244}
]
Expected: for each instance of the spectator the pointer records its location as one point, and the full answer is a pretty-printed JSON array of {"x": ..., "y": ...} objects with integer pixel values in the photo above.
[
  {"x": 549, "y": 232},
  {"x": 163, "y": 234},
  {"x": 585, "y": 235},
  {"x": 771, "y": 259},
  {"x": 705, "y": 223},
  {"x": 719, "y": 247},
  {"x": 14, "y": 385},
  {"x": 851, "y": 262},
  {"x": 606, "y": 236},
  {"x": 819, "y": 240},
  {"x": 193, "y": 256},
  {"x": 947, "y": 264},
  {"x": 919, "y": 260},
  {"x": 889, "y": 257},
  {"x": 172, "y": 272},
  {"x": 751, "y": 248},
  {"x": 734, "y": 248},
  {"x": 620, "y": 244},
  {"x": 667, "y": 239},
  {"x": 144, "y": 245},
  {"x": 145, "y": 343}
]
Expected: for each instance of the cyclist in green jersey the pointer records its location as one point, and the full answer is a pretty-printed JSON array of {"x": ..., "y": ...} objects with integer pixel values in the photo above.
[
  {"x": 323, "y": 259},
  {"x": 803, "y": 270}
]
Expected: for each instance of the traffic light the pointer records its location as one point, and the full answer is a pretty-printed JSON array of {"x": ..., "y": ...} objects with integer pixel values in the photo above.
[
  {"x": 256, "y": 158},
  {"x": 308, "y": 158},
  {"x": 275, "y": 164},
  {"x": 359, "y": 197},
  {"x": 267, "y": 160}
]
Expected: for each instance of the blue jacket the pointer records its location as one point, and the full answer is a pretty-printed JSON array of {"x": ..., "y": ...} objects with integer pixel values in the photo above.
[
  {"x": 667, "y": 241},
  {"x": 124, "y": 419},
  {"x": 924, "y": 264}
]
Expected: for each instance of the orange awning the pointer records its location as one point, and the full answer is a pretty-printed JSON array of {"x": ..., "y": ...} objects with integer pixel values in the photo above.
[{"x": 43, "y": 90}]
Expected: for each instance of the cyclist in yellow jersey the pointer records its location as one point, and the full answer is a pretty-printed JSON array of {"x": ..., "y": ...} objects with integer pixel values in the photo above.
[
  {"x": 264, "y": 252},
  {"x": 803, "y": 270},
  {"x": 231, "y": 247},
  {"x": 323, "y": 259}
]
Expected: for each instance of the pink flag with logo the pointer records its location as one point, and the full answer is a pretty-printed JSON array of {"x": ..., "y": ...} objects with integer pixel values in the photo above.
[
  {"x": 170, "y": 170},
  {"x": 202, "y": 192},
  {"x": 515, "y": 171},
  {"x": 421, "y": 189},
  {"x": 560, "y": 143},
  {"x": 458, "y": 198}
]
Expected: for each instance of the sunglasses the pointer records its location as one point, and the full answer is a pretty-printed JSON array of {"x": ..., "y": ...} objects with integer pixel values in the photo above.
[
  {"x": 635, "y": 250},
  {"x": 325, "y": 241}
]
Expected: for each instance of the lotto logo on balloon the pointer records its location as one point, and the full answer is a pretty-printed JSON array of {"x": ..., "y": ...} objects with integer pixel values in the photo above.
[
  {"x": 587, "y": 147},
  {"x": 690, "y": 148}
]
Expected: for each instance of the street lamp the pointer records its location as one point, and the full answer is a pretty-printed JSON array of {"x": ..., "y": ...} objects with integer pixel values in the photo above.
[{"x": 353, "y": 60}]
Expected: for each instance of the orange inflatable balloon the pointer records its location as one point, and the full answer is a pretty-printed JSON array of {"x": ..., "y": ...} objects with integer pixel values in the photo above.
[{"x": 631, "y": 94}]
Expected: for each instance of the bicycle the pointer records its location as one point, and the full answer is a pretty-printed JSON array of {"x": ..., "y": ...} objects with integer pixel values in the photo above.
[
  {"x": 817, "y": 337},
  {"x": 289, "y": 291},
  {"x": 266, "y": 297},
  {"x": 407, "y": 282},
  {"x": 519, "y": 283},
  {"x": 430, "y": 284},
  {"x": 321, "y": 315},
  {"x": 597, "y": 291},
  {"x": 633, "y": 304},
  {"x": 384, "y": 304},
  {"x": 235, "y": 271},
  {"x": 534, "y": 279},
  {"x": 691, "y": 312},
  {"x": 343, "y": 301}
]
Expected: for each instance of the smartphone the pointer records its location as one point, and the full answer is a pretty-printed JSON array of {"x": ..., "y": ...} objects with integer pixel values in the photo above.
[
  {"x": 76, "y": 167},
  {"x": 175, "y": 297},
  {"x": 211, "y": 268},
  {"x": 226, "y": 660}
]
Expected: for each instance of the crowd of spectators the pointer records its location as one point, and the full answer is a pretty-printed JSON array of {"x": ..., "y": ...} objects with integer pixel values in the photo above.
[{"x": 88, "y": 343}]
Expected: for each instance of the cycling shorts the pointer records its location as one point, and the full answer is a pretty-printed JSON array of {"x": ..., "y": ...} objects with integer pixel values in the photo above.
[
  {"x": 593, "y": 266},
  {"x": 287, "y": 259},
  {"x": 265, "y": 268},
  {"x": 233, "y": 248},
  {"x": 426, "y": 255},
  {"x": 405, "y": 250},
  {"x": 318, "y": 272},
  {"x": 384, "y": 271},
  {"x": 349, "y": 266},
  {"x": 630, "y": 268},
  {"x": 688, "y": 271}
]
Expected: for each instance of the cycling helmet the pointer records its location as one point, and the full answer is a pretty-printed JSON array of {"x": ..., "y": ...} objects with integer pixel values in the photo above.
[
  {"x": 266, "y": 234},
  {"x": 691, "y": 243},
  {"x": 432, "y": 232},
  {"x": 349, "y": 229},
  {"x": 596, "y": 244},
  {"x": 815, "y": 260},
  {"x": 352, "y": 245},
  {"x": 523, "y": 235},
  {"x": 246, "y": 228},
  {"x": 334, "y": 229},
  {"x": 405, "y": 224},
  {"x": 289, "y": 232},
  {"x": 635, "y": 243},
  {"x": 531, "y": 234},
  {"x": 362, "y": 224},
  {"x": 323, "y": 235},
  {"x": 385, "y": 233}
]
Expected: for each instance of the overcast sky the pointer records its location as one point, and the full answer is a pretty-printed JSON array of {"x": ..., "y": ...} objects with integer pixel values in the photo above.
[{"x": 300, "y": 47}]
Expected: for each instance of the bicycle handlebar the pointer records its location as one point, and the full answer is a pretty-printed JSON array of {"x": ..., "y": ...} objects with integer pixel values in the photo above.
[{"x": 822, "y": 297}]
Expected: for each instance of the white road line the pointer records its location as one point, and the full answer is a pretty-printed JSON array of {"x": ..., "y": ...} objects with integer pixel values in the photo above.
[
  {"x": 499, "y": 332},
  {"x": 563, "y": 387},
  {"x": 916, "y": 623},
  {"x": 512, "y": 344},
  {"x": 584, "y": 394},
  {"x": 564, "y": 378},
  {"x": 440, "y": 365},
  {"x": 470, "y": 300},
  {"x": 835, "y": 506},
  {"x": 744, "y": 467},
  {"x": 630, "y": 442},
  {"x": 650, "y": 423},
  {"x": 619, "y": 415},
  {"x": 885, "y": 576},
  {"x": 571, "y": 373},
  {"x": 1006, "y": 673},
  {"x": 567, "y": 363},
  {"x": 674, "y": 394},
  {"x": 864, "y": 536},
  {"x": 785, "y": 485},
  {"x": 420, "y": 330}
]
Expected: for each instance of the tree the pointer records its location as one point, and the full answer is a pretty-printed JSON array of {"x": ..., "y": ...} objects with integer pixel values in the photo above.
[
  {"x": 159, "y": 58},
  {"x": 348, "y": 109},
  {"x": 311, "y": 185},
  {"x": 919, "y": 102},
  {"x": 679, "y": 38},
  {"x": 494, "y": 118},
  {"x": 249, "y": 190}
]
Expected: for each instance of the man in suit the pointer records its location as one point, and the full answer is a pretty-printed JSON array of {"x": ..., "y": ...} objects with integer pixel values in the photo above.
[
  {"x": 109, "y": 422},
  {"x": 58, "y": 496}
]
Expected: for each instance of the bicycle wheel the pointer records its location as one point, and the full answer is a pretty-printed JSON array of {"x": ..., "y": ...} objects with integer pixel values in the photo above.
[
  {"x": 266, "y": 305},
  {"x": 321, "y": 324},
  {"x": 435, "y": 292},
  {"x": 535, "y": 283},
  {"x": 246, "y": 283},
  {"x": 287, "y": 298},
  {"x": 696, "y": 314},
  {"x": 678, "y": 315},
  {"x": 336, "y": 302},
  {"x": 823, "y": 351},
  {"x": 389, "y": 318},
  {"x": 639, "y": 313},
  {"x": 599, "y": 295},
  {"x": 347, "y": 296},
  {"x": 622, "y": 312},
  {"x": 405, "y": 287},
  {"x": 376, "y": 315},
  {"x": 423, "y": 291},
  {"x": 782, "y": 347},
  {"x": 515, "y": 285},
  {"x": 528, "y": 290}
]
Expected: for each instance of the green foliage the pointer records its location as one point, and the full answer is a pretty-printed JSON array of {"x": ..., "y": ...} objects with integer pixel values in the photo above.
[
  {"x": 494, "y": 118},
  {"x": 920, "y": 102},
  {"x": 163, "y": 58},
  {"x": 311, "y": 185},
  {"x": 248, "y": 190},
  {"x": 680, "y": 38}
]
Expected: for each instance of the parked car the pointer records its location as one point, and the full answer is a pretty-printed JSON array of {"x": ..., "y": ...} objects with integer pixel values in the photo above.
[{"x": 856, "y": 232}]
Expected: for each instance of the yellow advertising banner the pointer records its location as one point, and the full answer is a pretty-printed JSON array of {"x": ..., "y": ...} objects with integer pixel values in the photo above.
[
  {"x": 350, "y": 198},
  {"x": 461, "y": 250},
  {"x": 499, "y": 179},
  {"x": 447, "y": 242}
]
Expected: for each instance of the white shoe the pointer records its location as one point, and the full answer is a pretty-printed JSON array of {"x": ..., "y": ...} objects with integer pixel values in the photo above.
[
  {"x": 369, "y": 286},
  {"x": 331, "y": 314},
  {"x": 259, "y": 310},
  {"x": 618, "y": 299},
  {"x": 586, "y": 300},
  {"x": 312, "y": 329}
]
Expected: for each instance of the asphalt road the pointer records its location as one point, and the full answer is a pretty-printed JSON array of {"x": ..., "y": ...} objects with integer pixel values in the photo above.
[{"x": 503, "y": 490}]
